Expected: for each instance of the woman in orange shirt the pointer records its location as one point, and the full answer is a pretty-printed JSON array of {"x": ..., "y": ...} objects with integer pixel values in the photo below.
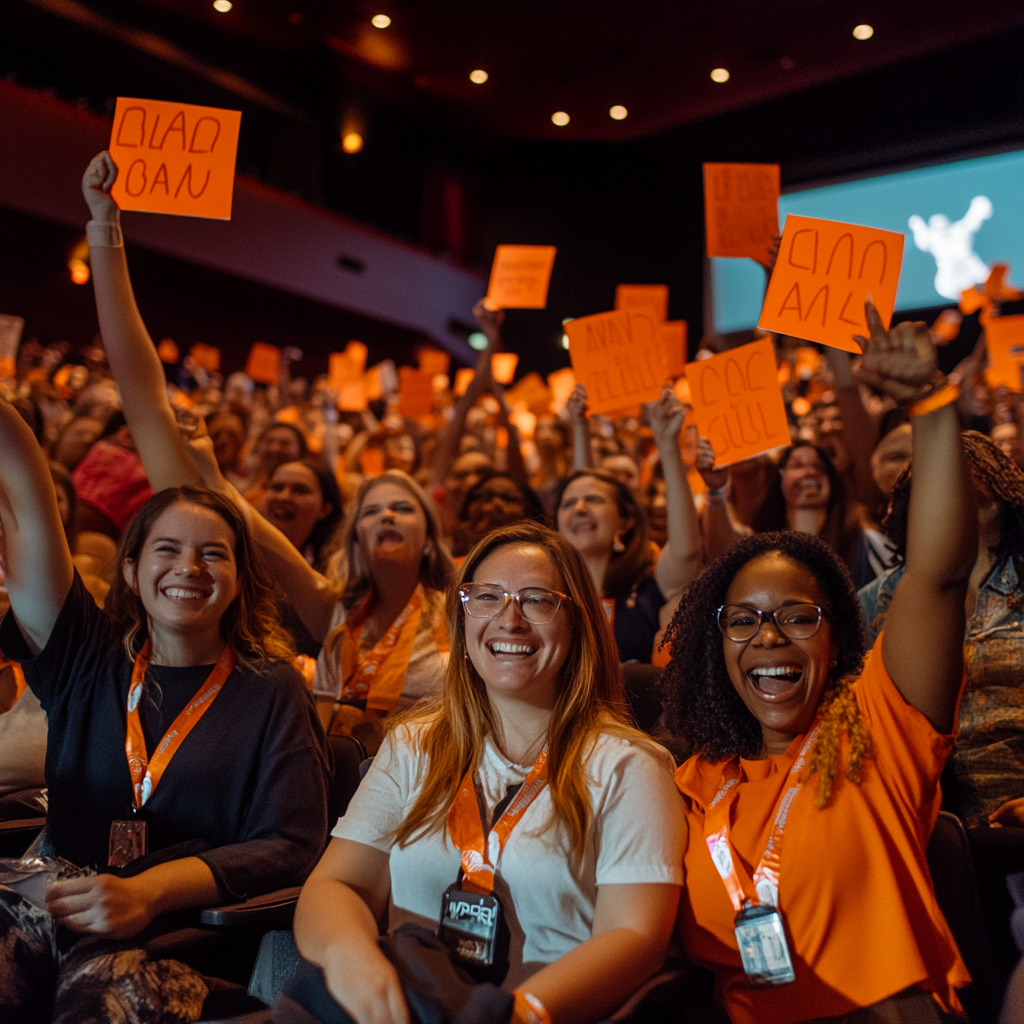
[{"x": 816, "y": 779}]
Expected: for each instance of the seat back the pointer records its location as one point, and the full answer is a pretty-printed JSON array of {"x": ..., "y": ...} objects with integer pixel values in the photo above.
[{"x": 348, "y": 754}]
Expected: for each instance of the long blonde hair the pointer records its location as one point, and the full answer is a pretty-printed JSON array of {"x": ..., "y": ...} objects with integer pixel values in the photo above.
[{"x": 590, "y": 699}]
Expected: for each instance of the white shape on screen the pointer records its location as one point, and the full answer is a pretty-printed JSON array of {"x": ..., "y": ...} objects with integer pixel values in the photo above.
[{"x": 958, "y": 266}]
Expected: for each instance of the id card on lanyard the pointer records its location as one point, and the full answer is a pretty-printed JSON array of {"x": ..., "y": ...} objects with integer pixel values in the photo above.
[
  {"x": 472, "y": 925},
  {"x": 760, "y": 933},
  {"x": 129, "y": 839}
]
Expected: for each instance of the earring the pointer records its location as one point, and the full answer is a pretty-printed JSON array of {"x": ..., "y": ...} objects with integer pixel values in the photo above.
[{"x": 617, "y": 546}]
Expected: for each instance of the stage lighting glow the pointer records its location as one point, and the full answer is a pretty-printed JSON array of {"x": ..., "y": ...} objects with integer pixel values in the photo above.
[
  {"x": 863, "y": 32},
  {"x": 478, "y": 77},
  {"x": 478, "y": 341},
  {"x": 222, "y": 6},
  {"x": 352, "y": 142},
  {"x": 380, "y": 21},
  {"x": 560, "y": 117},
  {"x": 618, "y": 112},
  {"x": 720, "y": 75}
]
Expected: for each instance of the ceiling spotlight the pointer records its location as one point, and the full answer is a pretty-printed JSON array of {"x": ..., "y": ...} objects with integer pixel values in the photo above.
[
  {"x": 380, "y": 21},
  {"x": 222, "y": 6},
  {"x": 352, "y": 142},
  {"x": 478, "y": 77},
  {"x": 618, "y": 112},
  {"x": 560, "y": 117},
  {"x": 720, "y": 75},
  {"x": 863, "y": 32}
]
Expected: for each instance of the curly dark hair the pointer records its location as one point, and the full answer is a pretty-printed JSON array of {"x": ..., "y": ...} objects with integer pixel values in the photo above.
[{"x": 701, "y": 705}]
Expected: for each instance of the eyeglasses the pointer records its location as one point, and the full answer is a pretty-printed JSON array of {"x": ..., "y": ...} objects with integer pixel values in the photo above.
[
  {"x": 484, "y": 601},
  {"x": 795, "y": 621}
]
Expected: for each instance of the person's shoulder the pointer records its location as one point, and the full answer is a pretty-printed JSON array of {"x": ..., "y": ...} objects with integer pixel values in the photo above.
[
  {"x": 275, "y": 679},
  {"x": 620, "y": 749}
]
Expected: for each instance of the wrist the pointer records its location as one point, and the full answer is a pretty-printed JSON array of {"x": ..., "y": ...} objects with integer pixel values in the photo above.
[
  {"x": 718, "y": 495},
  {"x": 942, "y": 393},
  {"x": 105, "y": 234}
]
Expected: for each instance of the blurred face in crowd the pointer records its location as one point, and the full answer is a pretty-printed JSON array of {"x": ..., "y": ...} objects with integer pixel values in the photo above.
[
  {"x": 400, "y": 453},
  {"x": 496, "y": 502},
  {"x": 75, "y": 440},
  {"x": 1007, "y": 437},
  {"x": 624, "y": 469},
  {"x": 228, "y": 435},
  {"x": 805, "y": 482},
  {"x": 390, "y": 525},
  {"x": 891, "y": 457},
  {"x": 547, "y": 436},
  {"x": 277, "y": 446},
  {"x": 589, "y": 516},
  {"x": 656, "y": 507},
  {"x": 466, "y": 472},
  {"x": 294, "y": 502}
]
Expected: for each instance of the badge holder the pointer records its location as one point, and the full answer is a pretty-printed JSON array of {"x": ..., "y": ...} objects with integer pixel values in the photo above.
[
  {"x": 129, "y": 840},
  {"x": 476, "y": 933},
  {"x": 764, "y": 950}
]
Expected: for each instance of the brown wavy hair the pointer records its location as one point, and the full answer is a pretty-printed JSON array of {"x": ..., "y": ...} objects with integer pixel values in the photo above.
[
  {"x": 590, "y": 699},
  {"x": 250, "y": 623}
]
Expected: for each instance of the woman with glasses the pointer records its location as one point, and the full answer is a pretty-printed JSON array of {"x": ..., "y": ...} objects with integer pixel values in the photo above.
[
  {"x": 815, "y": 782},
  {"x": 568, "y": 903}
]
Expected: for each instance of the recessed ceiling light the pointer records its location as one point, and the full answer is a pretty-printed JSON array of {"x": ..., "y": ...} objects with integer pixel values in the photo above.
[
  {"x": 478, "y": 77},
  {"x": 863, "y": 32},
  {"x": 618, "y": 112},
  {"x": 380, "y": 21},
  {"x": 222, "y": 6},
  {"x": 560, "y": 117},
  {"x": 719, "y": 75},
  {"x": 352, "y": 142}
]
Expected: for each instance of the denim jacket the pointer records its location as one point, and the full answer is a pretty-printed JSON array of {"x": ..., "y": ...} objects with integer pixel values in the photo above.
[{"x": 988, "y": 758}]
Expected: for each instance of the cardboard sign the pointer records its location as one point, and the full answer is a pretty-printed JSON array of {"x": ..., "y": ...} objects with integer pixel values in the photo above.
[
  {"x": 520, "y": 276},
  {"x": 503, "y": 366},
  {"x": 463, "y": 378},
  {"x": 637, "y": 296},
  {"x": 168, "y": 352},
  {"x": 371, "y": 461},
  {"x": 174, "y": 157},
  {"x": 824, "y": 273},
  {"x": 356, "y": 352},
  {"x": 1004, "y": 339},
  {"x": 738, "y": 403},
  {"x": 433, "y": 361},
  {"x": 562, "y": 384},
  {"x": 673, "y": 347},
  {"x": 532, "y": 393},
  {"x": 415, "y": 392},
  {"x": 617, "y": 357},
  {"x": 346, "y": 378},
  {"x": 264, "y": 363},
  {"x": 208, "y": 357},
  {"x": 741, "y": 209}
]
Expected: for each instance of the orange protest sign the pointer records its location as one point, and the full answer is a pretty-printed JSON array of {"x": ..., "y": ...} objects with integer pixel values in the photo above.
[
  {"x": 415, "y": 392},
  {"x": 617, "y": 357},
  {"x": 371, "y": 461},
  {"x": 433, "y": 361},
  {"x": 520, "y": 276},
  {"x": 174, "y": 157},
  {"x": 168, "y": 352},
  {"x": 264, "y": 363},
  {"x": 672, "y": 334},
  {"x": 371, "y": 384},
  {"x": 503, "y": 366},
  {"x": 356, "y": 353},
  {"x": 562, "y": 384},
  {"x": 741, "y": 209},
  {"x": 824, "y": 273},
  {"x": 531, "y": 392},
  {"x": 1004, "y": 339},
  {"x": 463, "y": 378},
  {"x": 206, "y": 356},
  {"x": 636, "y": 296},
  {"x": 738, "y": 403},
  {"x": 347, "y": 380}
]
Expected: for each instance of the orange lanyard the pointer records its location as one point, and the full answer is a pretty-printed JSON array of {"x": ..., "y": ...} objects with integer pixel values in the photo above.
[
  {"x": 20, "y": 686},
  {"x": 146, "y": 773},
  {"x": 766, "y": 875},
  {"x": 479, "y": 856}
]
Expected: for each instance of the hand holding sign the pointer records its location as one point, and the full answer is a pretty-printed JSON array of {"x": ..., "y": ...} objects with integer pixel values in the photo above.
[{"x": 825, "y": 272}]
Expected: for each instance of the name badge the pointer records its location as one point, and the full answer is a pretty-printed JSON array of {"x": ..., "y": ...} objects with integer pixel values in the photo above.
[
  {"x": 763, "y": 947},
  {"x": 128, "y": 841},
  {"x": 474, "y": 930}
]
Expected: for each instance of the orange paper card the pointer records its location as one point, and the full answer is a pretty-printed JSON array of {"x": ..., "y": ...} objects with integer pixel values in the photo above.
[
  {"x": 463, "y": 378},
  {"x": 636, "y": 296},
  {"x": 415, "y": 392},
  {"x": 741, "y": 209},
  {"x": 206, "y": 356},
  {"x": 433, "y": 361},
  {"x": 264, "y": 363},
  {"x": 168, "y": 352},
  {"x": 1004, "y": 338},
  {"x": 825, "y": 271},
  {"x": 520, "y": 276},
  {"x": 562, "y": 383},
  {"x": 738, "y": 403},
  {"x": 174, "y": 157},
  {"x": 346, "y": 378},
  {"x": 356, "y": 352},
  {"x": 617, "y": 357},
  {"x": 532, "y": 392},
  {"x": 673, "y": 347},
  {"x": 503, "y": 366}
]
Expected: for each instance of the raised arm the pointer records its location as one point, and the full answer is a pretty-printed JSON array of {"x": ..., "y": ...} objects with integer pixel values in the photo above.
[
  {"x": 680, "y": 559},
  {"x": 37, "y": 563},
  {"x": 924, "y": 636},
  {"x": 719, "y": 533},
  {"x": 130, "y": 351},
  {"x": 859, "y": 429},
  {"x": 576, "y": 407}
]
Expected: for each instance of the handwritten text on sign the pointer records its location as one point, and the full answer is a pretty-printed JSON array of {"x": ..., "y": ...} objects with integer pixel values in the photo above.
[
  {"x": 617, "y": 357},
  {"x": 825, "y": 271},
  {"x": 741, "y": 209},
  {"x": 519, "y": 277},
  {"x": 738, "y": 403},
  {"x": 174, "y": 157}
]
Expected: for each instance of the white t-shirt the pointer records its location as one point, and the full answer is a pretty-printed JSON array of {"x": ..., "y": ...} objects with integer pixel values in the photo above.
[
  {"x": 425, "y": 675},
  {"x": 22, "y": 745},
  {"x": 637, "y": 835}
]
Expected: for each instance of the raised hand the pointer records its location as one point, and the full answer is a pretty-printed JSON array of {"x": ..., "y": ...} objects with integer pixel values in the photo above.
[
  {"x": 901, "y": 363},
  {"x": 490, "y": 321},
  {"x": 665, "y": 417},
  {"x": 715, "y": 479},
  {"x": 576, "y": 407},
  {"x": 97, "y": 181}
]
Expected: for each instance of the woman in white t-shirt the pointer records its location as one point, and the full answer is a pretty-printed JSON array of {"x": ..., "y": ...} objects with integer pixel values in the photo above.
[{"x": 583, "y": 859}]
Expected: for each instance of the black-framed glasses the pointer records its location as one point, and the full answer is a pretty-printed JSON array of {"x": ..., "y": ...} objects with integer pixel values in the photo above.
[
  {"x": 796, "y": 621},
  {"x": 486, "y": 601}
]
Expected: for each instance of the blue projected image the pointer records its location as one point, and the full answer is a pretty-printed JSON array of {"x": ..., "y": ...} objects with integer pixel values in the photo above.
[{"x": 957, "y": 218}]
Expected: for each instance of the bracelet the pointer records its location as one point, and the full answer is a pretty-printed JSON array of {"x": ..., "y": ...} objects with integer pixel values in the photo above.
[
  {"x": 528, "y": 1009},
  {"x": 104, "y": 235},
  {"x": 944, "y": 394},
  {"x": 719, "y": 496}
]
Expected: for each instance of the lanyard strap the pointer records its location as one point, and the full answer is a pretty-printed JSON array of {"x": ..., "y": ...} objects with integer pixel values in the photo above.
[
  {"x": 146, "y": 773},
  {"x": 766, "y": 875},
  {"x": 480, "y": 857},
  {"x": 20, "y": 686}
]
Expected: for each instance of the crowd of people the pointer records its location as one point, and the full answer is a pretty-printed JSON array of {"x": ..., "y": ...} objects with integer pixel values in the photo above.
[{"x": 215, "y": 576}]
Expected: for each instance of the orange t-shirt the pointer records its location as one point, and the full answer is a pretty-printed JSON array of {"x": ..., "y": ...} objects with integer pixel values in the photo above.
[{"x": 854, "y": 887}]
